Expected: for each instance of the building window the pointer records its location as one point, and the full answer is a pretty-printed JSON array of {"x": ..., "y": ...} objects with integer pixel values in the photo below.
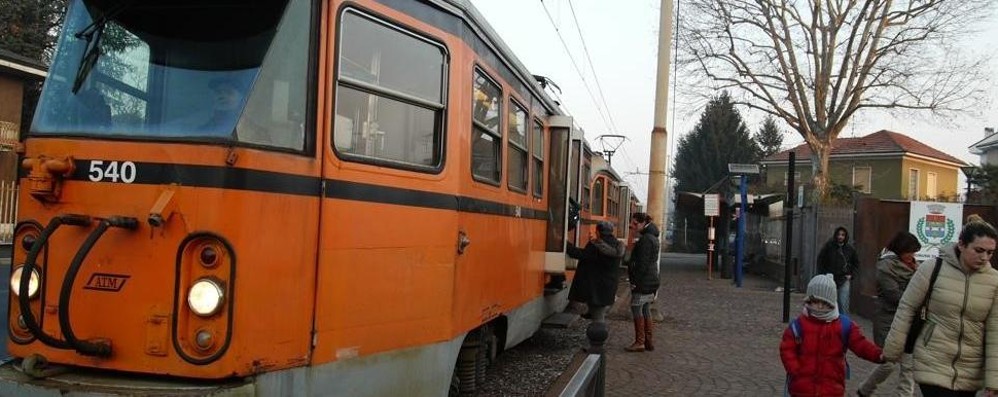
[
  {"x": 796, "y": 178},
  {"x": 538, "y": 158},
  {"x": 387, "y": 112},
  {"x": 516, "y": 136},
  {"x": 863, "y": 178},
  {"x": 912, "y": 184},
  {"x": 486, "y": 140},
  {"x": 930, "y": 185}
]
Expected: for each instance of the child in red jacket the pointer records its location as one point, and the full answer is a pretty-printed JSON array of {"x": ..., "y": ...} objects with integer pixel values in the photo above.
[{"x": 813, "y": 349}]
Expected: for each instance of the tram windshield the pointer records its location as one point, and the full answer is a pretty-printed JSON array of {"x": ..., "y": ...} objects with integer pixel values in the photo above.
[{"x": 210, "y": 70}]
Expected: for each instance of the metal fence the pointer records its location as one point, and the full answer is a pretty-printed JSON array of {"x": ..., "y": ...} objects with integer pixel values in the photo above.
[
  {"x": 813, "y": 226},
  {"x": 8, "y": 211}
]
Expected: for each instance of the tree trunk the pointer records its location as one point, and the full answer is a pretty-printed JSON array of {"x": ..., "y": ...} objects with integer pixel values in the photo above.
[{"x": 819, "y": 169}]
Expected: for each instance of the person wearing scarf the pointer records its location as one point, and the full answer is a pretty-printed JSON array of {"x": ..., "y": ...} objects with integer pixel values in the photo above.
[
  {"x": 814, "y": 357},
  {"x": 895, "y": 268}
]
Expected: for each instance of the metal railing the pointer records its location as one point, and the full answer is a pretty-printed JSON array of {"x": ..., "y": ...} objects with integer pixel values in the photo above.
[
  {"x": 586, "y": 374},
  {"x": 8, "y": 211}
]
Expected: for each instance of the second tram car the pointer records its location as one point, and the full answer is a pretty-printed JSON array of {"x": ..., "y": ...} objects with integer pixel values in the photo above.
[{"x": 289, "y": 197}]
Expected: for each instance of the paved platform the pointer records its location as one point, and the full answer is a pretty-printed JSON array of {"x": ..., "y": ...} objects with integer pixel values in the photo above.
[{"x": 715, "y": 340}]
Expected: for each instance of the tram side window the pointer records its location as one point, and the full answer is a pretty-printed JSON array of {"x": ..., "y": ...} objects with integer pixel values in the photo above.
[
  {"x": 611, "y": 199},
  {"x": 486, "y": 141},
  {"x": 538, "y": 158},
  {"x": 598, "y": 197},
  {"x": 390, "y": 94},
  {"x": 517, "y": 135}
]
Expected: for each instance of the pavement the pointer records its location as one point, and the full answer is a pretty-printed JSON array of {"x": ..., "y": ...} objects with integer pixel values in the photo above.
[{"x": 715, "y": 339}]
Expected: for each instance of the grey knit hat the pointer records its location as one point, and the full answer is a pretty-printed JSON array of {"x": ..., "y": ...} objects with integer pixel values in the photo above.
[
  {"x": 822, "y": 287},
  {"x": 604, "y": 228}
]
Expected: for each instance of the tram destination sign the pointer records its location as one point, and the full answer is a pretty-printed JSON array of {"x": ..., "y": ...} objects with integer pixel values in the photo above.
[{"x": 743, "y": 169}]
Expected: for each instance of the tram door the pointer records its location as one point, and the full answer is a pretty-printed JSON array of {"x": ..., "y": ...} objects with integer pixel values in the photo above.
[
  {"x": 559, "y": 128},
  {"x": 387, "y": 246},
  {"x": 575, "y": 190}
]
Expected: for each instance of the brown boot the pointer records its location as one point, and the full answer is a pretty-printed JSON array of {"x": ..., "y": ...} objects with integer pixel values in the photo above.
[
  {"x": 639, "y": 336},
  {"x": 649, "y": 331}
]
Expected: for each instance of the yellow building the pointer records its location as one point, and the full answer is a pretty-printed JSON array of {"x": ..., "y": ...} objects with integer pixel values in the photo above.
[{"x": 884, "y": 164}]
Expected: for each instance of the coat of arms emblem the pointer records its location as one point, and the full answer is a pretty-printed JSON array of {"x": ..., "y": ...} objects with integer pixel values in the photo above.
[{"x": 935, "y": 229}]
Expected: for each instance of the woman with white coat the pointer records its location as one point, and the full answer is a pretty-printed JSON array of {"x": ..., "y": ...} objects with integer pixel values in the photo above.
[{"x": 956, "y": 352}]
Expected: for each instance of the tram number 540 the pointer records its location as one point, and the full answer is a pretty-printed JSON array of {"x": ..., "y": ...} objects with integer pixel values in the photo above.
[{"x": 111, "y": 171}]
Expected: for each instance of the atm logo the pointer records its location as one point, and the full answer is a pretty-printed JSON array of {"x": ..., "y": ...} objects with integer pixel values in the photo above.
[{"x": 106, "y": 282}]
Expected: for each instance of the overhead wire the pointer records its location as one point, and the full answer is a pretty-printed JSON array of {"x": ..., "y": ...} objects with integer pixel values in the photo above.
[
  {"x": 604, "y": 110},
  {"x": 576, "y": 66},
  {"x": 592, "y": 68}
]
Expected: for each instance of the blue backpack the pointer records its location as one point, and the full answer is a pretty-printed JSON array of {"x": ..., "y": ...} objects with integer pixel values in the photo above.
[{"x": 846, "y": 328}]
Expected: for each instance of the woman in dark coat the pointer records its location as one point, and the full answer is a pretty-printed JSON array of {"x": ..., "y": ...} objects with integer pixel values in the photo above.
[
  {"x": 595, "y": 282},
  {"x": 642, "y": 270},
  {"x": 894, "y": 270}
]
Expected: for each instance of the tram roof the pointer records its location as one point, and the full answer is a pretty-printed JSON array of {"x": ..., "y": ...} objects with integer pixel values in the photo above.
[
  {"x": 481, "y": 27},
  {"x": 600, "y": 164}
]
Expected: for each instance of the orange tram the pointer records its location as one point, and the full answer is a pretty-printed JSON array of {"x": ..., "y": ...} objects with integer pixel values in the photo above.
[{"x": 290, "y": 197}]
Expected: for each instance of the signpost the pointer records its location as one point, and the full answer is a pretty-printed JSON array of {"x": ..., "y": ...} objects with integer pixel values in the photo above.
[
  {"x": 711, "y": 208},
  {"x": 742, "y": 170},
  {"x": 788, "y": 214}
]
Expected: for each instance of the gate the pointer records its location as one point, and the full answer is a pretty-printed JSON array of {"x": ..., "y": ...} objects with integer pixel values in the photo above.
[
  {"x": 8, "y": 211},
  {"x": 876, "y": 221}
]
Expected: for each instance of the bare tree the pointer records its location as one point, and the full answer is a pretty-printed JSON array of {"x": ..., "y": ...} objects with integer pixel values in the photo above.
[{"x": 815, "y": 63}]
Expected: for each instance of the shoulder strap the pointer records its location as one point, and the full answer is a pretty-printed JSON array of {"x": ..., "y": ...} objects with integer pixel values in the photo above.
[
  {"x": 932, "y": 280},
  {"x": 795, "y": 329},
  {"x": 846, "y": 323}
]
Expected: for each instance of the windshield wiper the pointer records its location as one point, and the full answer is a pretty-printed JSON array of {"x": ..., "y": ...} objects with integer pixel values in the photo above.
[{"x": 92, "y": 33}]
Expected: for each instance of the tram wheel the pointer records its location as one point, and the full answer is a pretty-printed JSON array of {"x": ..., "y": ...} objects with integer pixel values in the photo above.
[{"x": 477, "y": 352}]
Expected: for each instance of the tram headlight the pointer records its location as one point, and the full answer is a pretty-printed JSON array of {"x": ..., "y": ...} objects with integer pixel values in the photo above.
[
  {"x": 205, "y": 297},
  {"x": 15, "y": 282}
]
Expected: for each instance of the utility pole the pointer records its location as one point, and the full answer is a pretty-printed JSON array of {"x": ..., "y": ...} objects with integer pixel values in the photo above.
[{"x": 659, "y": 135}]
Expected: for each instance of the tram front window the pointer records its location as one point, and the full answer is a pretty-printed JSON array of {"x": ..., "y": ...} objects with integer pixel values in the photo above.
[{"x": 218, "y": 71}]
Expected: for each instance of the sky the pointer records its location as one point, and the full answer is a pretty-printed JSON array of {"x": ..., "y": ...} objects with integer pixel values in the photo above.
[{"x": 621, "y": 39}]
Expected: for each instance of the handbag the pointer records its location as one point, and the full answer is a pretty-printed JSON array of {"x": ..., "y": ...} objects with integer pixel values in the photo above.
[{"x": 918, "y": 320}]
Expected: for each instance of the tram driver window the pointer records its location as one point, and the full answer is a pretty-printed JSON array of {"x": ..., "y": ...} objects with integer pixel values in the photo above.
[{"x": 390, "y": 95}]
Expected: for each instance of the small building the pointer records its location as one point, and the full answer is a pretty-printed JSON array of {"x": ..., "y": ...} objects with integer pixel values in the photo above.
[
  {"x": 987, "y": 148},
  {"x": 15, "y": 72},
  {"x": 884, "y": 164}
]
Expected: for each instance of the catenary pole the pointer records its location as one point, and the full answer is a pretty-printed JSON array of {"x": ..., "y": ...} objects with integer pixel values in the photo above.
[{"x": 659, "y": 135}]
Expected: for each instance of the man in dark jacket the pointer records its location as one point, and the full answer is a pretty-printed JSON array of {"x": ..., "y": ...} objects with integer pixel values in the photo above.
[
  {"x": 839, "y": 259},
  {"x": 595, "y": 282}
]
